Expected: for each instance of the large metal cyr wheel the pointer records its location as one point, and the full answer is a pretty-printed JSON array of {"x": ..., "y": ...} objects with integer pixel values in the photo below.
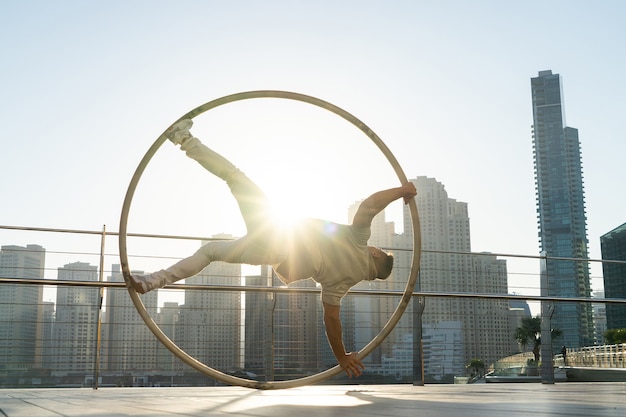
[{"x": 201, "y": 367}]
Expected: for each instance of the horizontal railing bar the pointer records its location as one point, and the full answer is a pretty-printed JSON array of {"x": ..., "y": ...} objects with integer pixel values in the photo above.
[
  {"x": 108, "y": 233},
  {"x": 148, "y": 235},
  {"x": 511, "y": 255},
  {"x": 282, "y": 290}
]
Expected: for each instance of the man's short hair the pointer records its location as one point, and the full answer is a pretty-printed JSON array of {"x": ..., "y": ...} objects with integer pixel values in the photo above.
[{"x": 385, "y": 266}]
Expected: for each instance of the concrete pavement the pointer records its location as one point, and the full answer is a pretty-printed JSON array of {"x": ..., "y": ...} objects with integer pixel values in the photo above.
[{"x": 475, "y": 400}]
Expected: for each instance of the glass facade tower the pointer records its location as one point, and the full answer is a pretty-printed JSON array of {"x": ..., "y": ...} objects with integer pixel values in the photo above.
[
  {"x": 561, "y": 209},
  {"x": 613, "y": 245}
]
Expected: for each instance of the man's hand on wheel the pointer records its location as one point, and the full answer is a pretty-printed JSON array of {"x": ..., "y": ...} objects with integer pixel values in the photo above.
[{"x": 352, "y": 365}]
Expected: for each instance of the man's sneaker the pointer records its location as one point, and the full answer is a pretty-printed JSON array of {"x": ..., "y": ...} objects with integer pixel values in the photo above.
[
  {"x": 141, "y": 283},
  {"x": 179, "y": 133}
]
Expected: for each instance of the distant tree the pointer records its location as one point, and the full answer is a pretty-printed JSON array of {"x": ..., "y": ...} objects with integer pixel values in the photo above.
[
  {"x": 530, "y": 332},
  {"x": 615, "y": 336},
  {"x": 476, "y": 367}
]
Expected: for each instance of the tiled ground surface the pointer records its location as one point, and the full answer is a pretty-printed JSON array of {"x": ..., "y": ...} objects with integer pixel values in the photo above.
[{"x": 477, "y": 400}]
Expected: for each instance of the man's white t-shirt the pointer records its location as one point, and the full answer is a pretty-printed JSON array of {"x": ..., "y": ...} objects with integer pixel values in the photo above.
[{"x": 334, "y": 255}]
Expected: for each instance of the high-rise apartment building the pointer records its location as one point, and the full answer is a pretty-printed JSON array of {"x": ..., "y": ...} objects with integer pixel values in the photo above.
[
  {"x": 209, "y": 326},
  {"x": 561, "y": 209},
  {"x": 127, "y": 342},
  {"x": 167, "y": 319},
  {"x": 613, "y": 246},
  {"x": 76, "y": 324},
  {"x": 296, "y": 327},
  {"x": 599, "y": 318},
  {"x": 462, "y": 328},
  {"x": 480, "y": 325},
  {"x": 259, "y": 308},
  {"x": 21, "y": 309},
  {"x": 47, "y": 319}
]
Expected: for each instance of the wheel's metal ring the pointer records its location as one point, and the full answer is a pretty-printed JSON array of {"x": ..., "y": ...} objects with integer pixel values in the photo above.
[{"x": 201, "y": 367}]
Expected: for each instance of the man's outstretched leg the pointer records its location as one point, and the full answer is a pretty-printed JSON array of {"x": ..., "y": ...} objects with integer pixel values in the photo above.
[
  {"x": 252, "y": 201},
  {"x": 256, "y": 248},
  {"x": 185, "y": 268}
]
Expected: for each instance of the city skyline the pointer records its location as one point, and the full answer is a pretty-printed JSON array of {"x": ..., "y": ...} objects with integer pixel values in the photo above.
[
  {"x": 444, "y": 84},
  {"x": 176, "y": 249},
  {"x": 384, "y": 235},
  {"x": 209, "y": 324}
]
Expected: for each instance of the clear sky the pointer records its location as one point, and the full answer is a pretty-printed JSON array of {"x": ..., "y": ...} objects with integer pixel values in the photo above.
[{"x": 88, "y": 86}]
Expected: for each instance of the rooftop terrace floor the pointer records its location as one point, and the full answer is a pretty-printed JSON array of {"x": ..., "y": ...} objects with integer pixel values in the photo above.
[{"x": 480, "y": 400}]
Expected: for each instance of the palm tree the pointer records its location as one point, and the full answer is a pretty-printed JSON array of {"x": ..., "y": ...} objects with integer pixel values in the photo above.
[
  {"x": 615, "y": 336},
  {"x": 530, "y": 331},
  {"x": 476, "y": 367}
]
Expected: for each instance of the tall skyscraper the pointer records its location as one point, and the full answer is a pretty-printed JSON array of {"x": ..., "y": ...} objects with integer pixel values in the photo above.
[
  {"x": 613, "y": 246},
  {"x": 561, "y": 209},
  {"x": 20, "y": 309}
]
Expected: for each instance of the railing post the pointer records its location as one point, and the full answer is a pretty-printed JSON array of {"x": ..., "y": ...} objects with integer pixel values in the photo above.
[
  {"x": 547, "y": 308},
  {"x": 418, "y": 355},
  {"x": 99, "y": 325},
  {"x": 270, "y": 366}
]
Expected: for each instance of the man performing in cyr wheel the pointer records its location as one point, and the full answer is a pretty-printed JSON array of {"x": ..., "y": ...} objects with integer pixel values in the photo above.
[{"x": 334, "y": 255}]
